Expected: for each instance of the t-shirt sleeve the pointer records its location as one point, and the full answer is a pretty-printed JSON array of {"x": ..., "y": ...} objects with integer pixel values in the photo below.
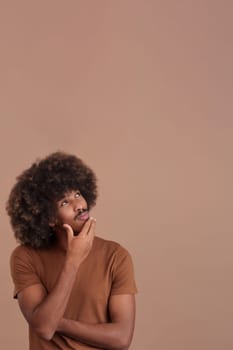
[
  {"x": 123, "y": 273},
  {"x": 23, "y": 271}
]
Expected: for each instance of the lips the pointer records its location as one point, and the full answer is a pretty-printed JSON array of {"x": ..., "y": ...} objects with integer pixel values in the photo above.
[{"x": 83, "y": 216}]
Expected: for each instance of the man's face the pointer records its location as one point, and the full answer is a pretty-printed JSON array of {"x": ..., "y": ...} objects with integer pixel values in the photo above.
[{"x": 72, "y": 210}]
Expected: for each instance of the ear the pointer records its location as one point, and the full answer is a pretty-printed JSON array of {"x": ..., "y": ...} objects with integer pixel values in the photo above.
[{"x": 52, "y": 222}]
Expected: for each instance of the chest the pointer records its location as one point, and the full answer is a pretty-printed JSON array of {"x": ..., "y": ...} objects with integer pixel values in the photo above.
[{"x": 91, "y": 289}]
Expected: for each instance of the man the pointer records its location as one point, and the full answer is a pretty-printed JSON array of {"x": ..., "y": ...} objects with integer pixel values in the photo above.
[{"x": 75, "y": 290}]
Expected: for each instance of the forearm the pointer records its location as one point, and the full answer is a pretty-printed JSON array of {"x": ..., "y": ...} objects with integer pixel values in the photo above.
[
  {"x": 109, "y": 336},
  {"x": 43, "y": 310},
  {"x": 48, "y": 313}
]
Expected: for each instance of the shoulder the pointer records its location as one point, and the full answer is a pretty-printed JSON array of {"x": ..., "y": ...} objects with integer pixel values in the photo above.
[
  {"x": 119, "y": 263},
  {"x": 109, "y": 246},
  {"x": 102, "y": 242},
  {"x": 21, "y": 251},
  {"x": 24, "y": 267},
  {"x": 111, "y": 251},
  {"x": 23, "y": 254}
]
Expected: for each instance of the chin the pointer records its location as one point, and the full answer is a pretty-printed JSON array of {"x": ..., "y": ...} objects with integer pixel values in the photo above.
[{"x": 77, "y": 227}]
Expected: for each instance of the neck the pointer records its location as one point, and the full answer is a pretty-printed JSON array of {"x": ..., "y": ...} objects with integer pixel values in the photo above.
[{"x": 61, "y": 240}]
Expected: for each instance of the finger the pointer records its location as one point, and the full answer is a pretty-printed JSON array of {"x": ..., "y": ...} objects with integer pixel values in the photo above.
[
  {"x": 69, "y": 231},
  {"x": 85, "y": 228},
  {"x": 91, "y": 230}
]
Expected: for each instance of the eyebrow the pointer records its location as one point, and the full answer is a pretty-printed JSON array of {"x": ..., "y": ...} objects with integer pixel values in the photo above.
[
  {"x": 64, "y": 196},
  {"x": 61, "y": 198}
]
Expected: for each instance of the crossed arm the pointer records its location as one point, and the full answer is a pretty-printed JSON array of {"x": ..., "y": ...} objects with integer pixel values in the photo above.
[
  {"x": 114, "y": 335},
  {"x": 44, "y": 312}
]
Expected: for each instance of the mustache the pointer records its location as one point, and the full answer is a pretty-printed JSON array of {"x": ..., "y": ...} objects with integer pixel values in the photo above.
[{"x": 80, "y": 211}]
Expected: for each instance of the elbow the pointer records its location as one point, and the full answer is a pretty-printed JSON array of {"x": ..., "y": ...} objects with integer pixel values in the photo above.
[
  {"x": 43, "y": 331},
  {"x": 123, "y": 342},
  {"x": 123, "y": 345},
  {"x": 46, "y": 335}
]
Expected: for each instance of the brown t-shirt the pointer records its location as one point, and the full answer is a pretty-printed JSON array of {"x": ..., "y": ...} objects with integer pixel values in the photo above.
[{"x": 107, "y": 270}]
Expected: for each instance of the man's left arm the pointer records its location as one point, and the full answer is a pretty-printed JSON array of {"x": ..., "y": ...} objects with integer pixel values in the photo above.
[{"x": 115, "y": 335}]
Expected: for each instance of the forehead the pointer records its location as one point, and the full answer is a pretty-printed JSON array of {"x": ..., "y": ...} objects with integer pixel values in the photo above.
[{"x": 66, "y": 194}]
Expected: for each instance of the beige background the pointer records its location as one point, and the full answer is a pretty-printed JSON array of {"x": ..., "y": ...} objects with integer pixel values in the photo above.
[{"x": 142, "y": 91}]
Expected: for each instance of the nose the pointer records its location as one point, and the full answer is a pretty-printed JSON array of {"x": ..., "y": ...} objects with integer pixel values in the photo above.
[{"x": 77, "y": 205}]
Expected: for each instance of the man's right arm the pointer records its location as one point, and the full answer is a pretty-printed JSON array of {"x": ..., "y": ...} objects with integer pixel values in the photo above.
[{"x": 44, "y": 311}]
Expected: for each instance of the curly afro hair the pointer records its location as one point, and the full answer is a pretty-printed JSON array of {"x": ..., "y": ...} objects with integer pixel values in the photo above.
[{"x": 31, "y": 201}]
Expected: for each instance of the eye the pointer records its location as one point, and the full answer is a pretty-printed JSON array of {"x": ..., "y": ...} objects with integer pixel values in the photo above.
[
  {"x": 77, "y": 194},
  {"x": 63, "y": 203}
]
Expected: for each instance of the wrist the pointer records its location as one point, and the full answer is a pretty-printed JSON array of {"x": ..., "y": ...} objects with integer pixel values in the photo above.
[
  {"x": 72, "y": 263},
  {"x": 60, "y": 325}
]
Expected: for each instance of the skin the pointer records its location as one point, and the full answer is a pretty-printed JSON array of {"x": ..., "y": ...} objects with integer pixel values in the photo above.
[{"x": 44, "y": 312}]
